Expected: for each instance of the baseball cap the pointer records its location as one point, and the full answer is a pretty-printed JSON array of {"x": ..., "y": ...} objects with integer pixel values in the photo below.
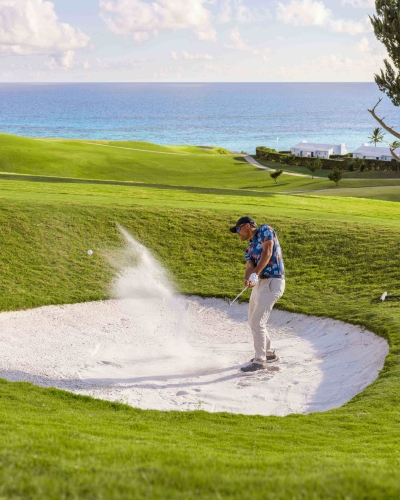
[{"x": 242, "y": 220}]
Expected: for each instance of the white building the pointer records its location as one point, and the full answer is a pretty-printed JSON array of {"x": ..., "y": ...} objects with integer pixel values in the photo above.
[
  {"x": 312, "y": 150},
  {"x": 368, "y": 152}
]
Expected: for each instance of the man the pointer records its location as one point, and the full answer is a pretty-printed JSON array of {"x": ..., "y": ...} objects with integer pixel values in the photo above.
[{"x": 265, "y": 274}]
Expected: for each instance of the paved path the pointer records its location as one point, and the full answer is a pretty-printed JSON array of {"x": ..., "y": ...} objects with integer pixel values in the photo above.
[{"x": 252, "y": 161}]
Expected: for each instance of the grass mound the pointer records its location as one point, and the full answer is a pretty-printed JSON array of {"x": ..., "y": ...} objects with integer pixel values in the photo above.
[
  {"x": 139, "y": 162},
  {"x": 339, "y": 255}
]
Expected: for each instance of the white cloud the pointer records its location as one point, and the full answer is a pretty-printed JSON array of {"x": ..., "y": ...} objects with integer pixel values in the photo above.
[
  {"x": 170, "y": 74},
  {"x": 350, "y": 27},
  {"x": 315, "y": 13},
  {"x": 116, "y": 64},
  {"x": 371, "y": 49},
  {"x": 237, "y": 43},
  {"x": 235, "y": 11},
  {"x": 141, "y": 19},
  {"x": 337, "y": 68},
  {"x": 130, "y": 63},
  {"x": 224, "y": 70},
  {"x": 100, "y": 63},
  {"x": 191, "y": 57},
  {"x": 31, "y": 27},
  {"x": 360, "y": 4},
  {"x": 363, "y": 46},
  {"x": 65, "y": 60},
  {"x": 304, "y": 13}
]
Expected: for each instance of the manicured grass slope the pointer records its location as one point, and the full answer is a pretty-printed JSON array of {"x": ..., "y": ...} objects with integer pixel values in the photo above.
[
  {"x": 191, "y": 167},
  {"x": 389, "y": 193},
  {"x": 339, "y": 255}
]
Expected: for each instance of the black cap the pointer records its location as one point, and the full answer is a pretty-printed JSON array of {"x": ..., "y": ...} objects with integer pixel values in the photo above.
[{"x": 242, "y": 220}]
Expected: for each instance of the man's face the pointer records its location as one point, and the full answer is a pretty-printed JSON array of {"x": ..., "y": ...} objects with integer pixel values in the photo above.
[{"x": 244, "y": 231}]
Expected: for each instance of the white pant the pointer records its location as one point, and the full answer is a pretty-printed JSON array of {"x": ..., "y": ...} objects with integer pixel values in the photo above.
[{"x": 262, "y": 300}]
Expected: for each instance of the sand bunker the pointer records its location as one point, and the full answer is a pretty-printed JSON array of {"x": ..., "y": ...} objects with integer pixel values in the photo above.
[{"x": 185, "y": 354}]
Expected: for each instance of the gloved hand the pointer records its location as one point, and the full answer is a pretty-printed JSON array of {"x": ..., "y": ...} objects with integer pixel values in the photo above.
[{"x": 253, "y": 278}]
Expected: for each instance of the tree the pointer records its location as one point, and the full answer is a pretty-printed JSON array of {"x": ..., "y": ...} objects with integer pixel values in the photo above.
[
  {"x": 335, "y": 176},
  {"x": 313, "y": 166},
  {"x": 386, "y": 24},
  {"x": 376, "y": 136},
  {"x": 276, "y": 174},
  {"x": 359, "y": 164}
]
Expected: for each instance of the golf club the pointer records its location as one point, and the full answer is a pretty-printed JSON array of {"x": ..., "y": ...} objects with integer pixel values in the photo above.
[{"x": 234, "y": 300}]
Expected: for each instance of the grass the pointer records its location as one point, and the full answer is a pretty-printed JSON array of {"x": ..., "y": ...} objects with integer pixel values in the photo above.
[
  {"x": 389, "y": 193},
  {"x": 148, "y": 163},
  {"x": 367, "y": 174},
  {"x": 65, "y": 446},
  {"x": 340, "y": 253}
]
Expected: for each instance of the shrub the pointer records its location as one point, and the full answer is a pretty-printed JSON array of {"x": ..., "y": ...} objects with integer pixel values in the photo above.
[
  {"x": 350, "y": 166},
  {"x": 336, "y": 176},
  {"x": 276, "y": 174},
  {"x": 222, "y": 151},
  {"x": 359, "y": 164},
  {"x": 313, "y": 166}
]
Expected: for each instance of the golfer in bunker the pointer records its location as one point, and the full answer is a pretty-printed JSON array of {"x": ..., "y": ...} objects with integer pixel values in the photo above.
[{"x": 265, "y": 275}]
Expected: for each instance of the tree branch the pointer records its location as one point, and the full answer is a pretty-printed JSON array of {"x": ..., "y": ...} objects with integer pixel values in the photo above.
[
  {"x": 395, "y": 156},
  {"x": 382, "y": 123}
]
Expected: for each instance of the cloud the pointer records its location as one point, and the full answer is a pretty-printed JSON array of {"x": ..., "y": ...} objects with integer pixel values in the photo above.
[
  {"x": 31, "y": 27},
  {"x": 142, "y": 20},
  {"x": 100, "y": 63},
  {"x": 191, "y": 57},
  {"x": 237, "y": 43},
  {"x": 360, "y": 4},
  {"x": 129, "y": 63},
  {"x": 337, "y": 68},
  {"x": 224, "y": 70},
  {"x": 235, "y": 11},
  {"x": 169, "y": 74},
  {"x": 315, "y": 13},
  {"x": 65, "y": 60},
  {"x": 374, "y": 49}
]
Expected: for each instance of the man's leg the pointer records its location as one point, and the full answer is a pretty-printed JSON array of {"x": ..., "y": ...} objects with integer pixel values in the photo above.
[{"x": 266, "y": 293}]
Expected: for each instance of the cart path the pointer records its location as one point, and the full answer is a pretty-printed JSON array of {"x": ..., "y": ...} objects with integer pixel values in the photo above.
[{"x": 252, "y": 161}]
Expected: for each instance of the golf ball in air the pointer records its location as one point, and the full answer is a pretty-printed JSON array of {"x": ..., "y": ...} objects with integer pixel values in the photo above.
[{"x": 90, "y": 252}]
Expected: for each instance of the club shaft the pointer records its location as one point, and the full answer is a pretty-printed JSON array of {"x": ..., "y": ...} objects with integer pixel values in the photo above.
[{"x": 244, "y": 289}]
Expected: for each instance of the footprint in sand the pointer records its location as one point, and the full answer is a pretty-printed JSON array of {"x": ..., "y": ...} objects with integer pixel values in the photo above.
[{"x": 109, "y": 363}]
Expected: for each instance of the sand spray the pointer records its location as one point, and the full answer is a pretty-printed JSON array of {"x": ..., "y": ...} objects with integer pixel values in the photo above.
[{"x": 143, "y": 284}]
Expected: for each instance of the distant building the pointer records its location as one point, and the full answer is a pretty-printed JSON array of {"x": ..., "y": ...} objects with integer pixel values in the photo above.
[
  {"x": 312, "y": 150},
  {"x": 368, "y": 152}
]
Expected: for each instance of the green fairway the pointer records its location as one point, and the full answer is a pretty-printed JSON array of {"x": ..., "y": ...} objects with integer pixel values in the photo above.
[
  {"x": 341, "y": 253},
  {"x": 152, "y": 164},
  {"x": 388, "y": 193}
]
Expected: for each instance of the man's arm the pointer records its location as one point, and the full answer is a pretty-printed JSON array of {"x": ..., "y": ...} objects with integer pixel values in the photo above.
[
  {"x": 266, "y": 254},
  {"x": 248, "y": 271}
]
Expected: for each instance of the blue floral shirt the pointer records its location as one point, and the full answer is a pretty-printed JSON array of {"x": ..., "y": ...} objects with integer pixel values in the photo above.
[{"x": 275, "y": 267}]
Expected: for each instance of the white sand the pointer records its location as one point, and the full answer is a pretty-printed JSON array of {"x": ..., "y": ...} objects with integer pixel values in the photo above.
[{"x": 129, "y": 351}]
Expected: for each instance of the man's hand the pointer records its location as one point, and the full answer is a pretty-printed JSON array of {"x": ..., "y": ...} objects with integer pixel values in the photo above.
[
  {"x": 253, "y": 278},
  {"x": 252, "y": 281}
]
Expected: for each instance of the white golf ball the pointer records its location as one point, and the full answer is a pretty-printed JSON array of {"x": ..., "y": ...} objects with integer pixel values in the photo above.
[{"x": 90, "y": 252}]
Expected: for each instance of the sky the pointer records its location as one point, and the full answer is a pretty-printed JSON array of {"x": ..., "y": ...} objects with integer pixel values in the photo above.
[{"x": 188, "y": 41}]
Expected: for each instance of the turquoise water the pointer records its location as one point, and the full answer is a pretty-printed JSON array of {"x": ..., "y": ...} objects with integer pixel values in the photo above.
[{"x": 238, "y": 116}]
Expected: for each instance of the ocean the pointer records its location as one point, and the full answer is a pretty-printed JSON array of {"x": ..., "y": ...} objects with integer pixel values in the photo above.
[{"x": 237, "y": 116}]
